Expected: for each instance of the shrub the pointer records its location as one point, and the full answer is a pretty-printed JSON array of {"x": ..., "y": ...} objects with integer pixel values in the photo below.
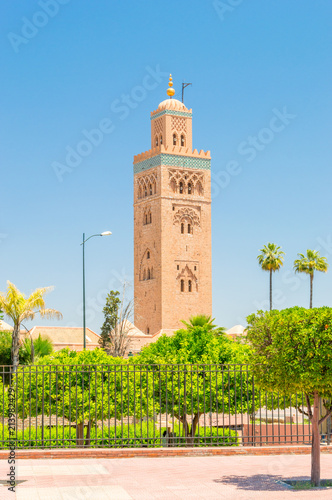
[{"x": 143, "y": 434}]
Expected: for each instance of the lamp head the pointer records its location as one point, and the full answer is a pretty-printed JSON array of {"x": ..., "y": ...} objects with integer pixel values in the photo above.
[{"x": 106, "y": 233}]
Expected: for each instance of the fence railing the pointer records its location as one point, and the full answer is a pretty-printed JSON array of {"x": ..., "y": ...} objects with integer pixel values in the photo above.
[{"x": 117, "y": 405}]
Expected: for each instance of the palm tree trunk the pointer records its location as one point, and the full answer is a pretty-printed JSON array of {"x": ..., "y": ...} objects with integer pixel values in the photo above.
[
  {"x": 311, "y": 280},
  {"x": 15, "y": 347},
  {"x": 270, "y": 289}
]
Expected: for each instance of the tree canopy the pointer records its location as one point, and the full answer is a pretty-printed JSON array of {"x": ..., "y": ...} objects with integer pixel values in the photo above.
[
  {"x": 192, "y": 375},
  {"x": 292, "y": 353},
  {"x": 201, "y": 342}
]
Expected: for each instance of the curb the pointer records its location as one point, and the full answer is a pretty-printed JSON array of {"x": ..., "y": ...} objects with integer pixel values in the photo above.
[{"x": 161, "y": 452}]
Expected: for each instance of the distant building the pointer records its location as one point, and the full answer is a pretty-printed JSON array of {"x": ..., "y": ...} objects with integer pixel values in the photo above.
[
  {"x": 139, "y": 339},
  {"x": 4, "y": 327},
  {"x": 64, "y": 336},
  {"x": 236, "y": 331}
]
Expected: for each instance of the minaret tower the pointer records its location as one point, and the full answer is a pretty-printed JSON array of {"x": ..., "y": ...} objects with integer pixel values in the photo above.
[{"x": 172, "y": 223}]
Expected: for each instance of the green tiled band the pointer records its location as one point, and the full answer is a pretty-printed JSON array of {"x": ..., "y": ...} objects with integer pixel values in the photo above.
[
  {"x": 172, "y": 161},
  {"x": 172, "y": 112}
]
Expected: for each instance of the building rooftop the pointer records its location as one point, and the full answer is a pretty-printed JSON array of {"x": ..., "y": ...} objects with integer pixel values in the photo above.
[
  {"x": 4, "y": 327},
  {"x": 236, "y": 330}
]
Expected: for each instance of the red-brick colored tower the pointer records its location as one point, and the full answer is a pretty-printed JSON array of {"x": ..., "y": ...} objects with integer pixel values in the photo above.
[{"x": 172, "y": 223}]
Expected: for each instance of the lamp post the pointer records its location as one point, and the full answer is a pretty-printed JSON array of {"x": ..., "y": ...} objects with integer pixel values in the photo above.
[{"x": 105, "y": 233}]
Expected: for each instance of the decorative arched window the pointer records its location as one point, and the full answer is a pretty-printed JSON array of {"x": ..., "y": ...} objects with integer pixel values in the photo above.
[
  {"x": 189, "y": 228},
  {"x": 182, "y": 227},
  {"x": 189, "y": 188},
  {"x": 150, "y": 218},
  {"x": 156, "y": 141},
  {"x": 148, "y": 255},
  {"x": 144, "y": 275},
  {"x": 147, "y": 330},
  {"x": 139, "y": 192},
  {"x": 182, "y": 285},
  {"x": 161, "y": 139},
  {"x": 146, "y": 219},
  {"x": 199, "y": 188},
  {"x": 149, "y": 274},
  {"x": 183, "y": 142},
  {"x": 181, "y": 187},
  {"x": 150, "y": 189},
  {"x": 189, "y": 286},
  {"x": 145, "y": 192},
  {"x": 174, "y": 139}
]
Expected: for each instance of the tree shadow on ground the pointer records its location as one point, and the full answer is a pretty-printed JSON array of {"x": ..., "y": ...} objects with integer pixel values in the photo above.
[{"x": 259, "y": 482}]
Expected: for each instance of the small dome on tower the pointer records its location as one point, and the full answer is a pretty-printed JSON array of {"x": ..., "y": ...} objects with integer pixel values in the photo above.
[{"x": 172, "y": 104}]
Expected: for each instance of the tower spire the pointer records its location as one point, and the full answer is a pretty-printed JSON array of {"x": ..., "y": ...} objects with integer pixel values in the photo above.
[{"x": 170, "y": 90}]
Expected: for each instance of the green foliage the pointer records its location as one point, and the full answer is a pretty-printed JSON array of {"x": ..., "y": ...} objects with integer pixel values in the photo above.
[
  {"x": 190, "y": 376},
  {"x": 144, "y": 433},
  {"x": 110, "y": 311},
  {"x": 292, "y": 350},
  {"x": 5, "y": 348},
  {"x": 79, "y": 386},
  {"x": 205, "y": 322},
  {"x": 42, "y": 346},
  {"x": 197, "y": 344},
  {"x": 3, "y": 399}
]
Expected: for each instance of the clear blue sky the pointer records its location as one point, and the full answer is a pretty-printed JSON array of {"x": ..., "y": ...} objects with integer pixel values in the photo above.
[{"x": 248, "y": 63}]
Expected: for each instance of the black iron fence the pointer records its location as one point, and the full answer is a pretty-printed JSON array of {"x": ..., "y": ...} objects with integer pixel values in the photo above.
[{"x": 121, "y": 405}]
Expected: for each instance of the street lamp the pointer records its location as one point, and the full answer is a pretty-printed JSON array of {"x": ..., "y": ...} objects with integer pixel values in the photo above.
[{"x": 105, "y": 233}]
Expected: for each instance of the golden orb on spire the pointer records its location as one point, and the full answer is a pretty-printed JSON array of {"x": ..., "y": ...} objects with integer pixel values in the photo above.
[{"x": 170, "y": 91}]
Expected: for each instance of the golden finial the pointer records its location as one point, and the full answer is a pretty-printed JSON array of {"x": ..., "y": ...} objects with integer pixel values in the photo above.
[{"x": 170, "y": 91}]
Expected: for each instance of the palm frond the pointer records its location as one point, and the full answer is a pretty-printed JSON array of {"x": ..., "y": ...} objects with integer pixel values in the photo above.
[
  {"x": 50, "y": 313},
  {"x": 310, "y": 262},
  {"x": 36, "y": 299}
]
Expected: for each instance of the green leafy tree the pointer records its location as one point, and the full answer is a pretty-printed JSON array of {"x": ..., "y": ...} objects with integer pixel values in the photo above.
[
  {"x": 292, "y": 353},
  {"x": 111, "y": 311},
  {"x": 81, "y": 387},
  {"x": 191, "y": 375},
  {"x": 310, "y": 263},
  {"x": 18, "y": 308},
  {"x": 271, "y": 259}
]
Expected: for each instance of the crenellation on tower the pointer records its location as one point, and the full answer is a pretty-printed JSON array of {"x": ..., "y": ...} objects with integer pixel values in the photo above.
[{"x": 172, "y": 223}]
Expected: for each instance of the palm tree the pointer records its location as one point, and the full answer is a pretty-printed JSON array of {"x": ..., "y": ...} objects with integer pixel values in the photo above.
[
  {"x": 271, "y": 259},
  {"x": 309, "y": 264},
  {"x": 18, "y": 308},
  {"x": 36, "y": 349},
  {"x": 204, "y": 321}
]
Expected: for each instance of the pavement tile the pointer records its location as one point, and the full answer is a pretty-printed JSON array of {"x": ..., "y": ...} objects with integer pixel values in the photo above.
[{"x": 169, "y": 478}]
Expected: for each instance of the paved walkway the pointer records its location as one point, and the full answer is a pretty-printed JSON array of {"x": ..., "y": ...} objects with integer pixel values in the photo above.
[{"x": 170, "y": 478}]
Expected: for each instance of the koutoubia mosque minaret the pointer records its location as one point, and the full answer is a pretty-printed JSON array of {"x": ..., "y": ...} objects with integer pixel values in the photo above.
[{"x": 172, "y": 223}]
